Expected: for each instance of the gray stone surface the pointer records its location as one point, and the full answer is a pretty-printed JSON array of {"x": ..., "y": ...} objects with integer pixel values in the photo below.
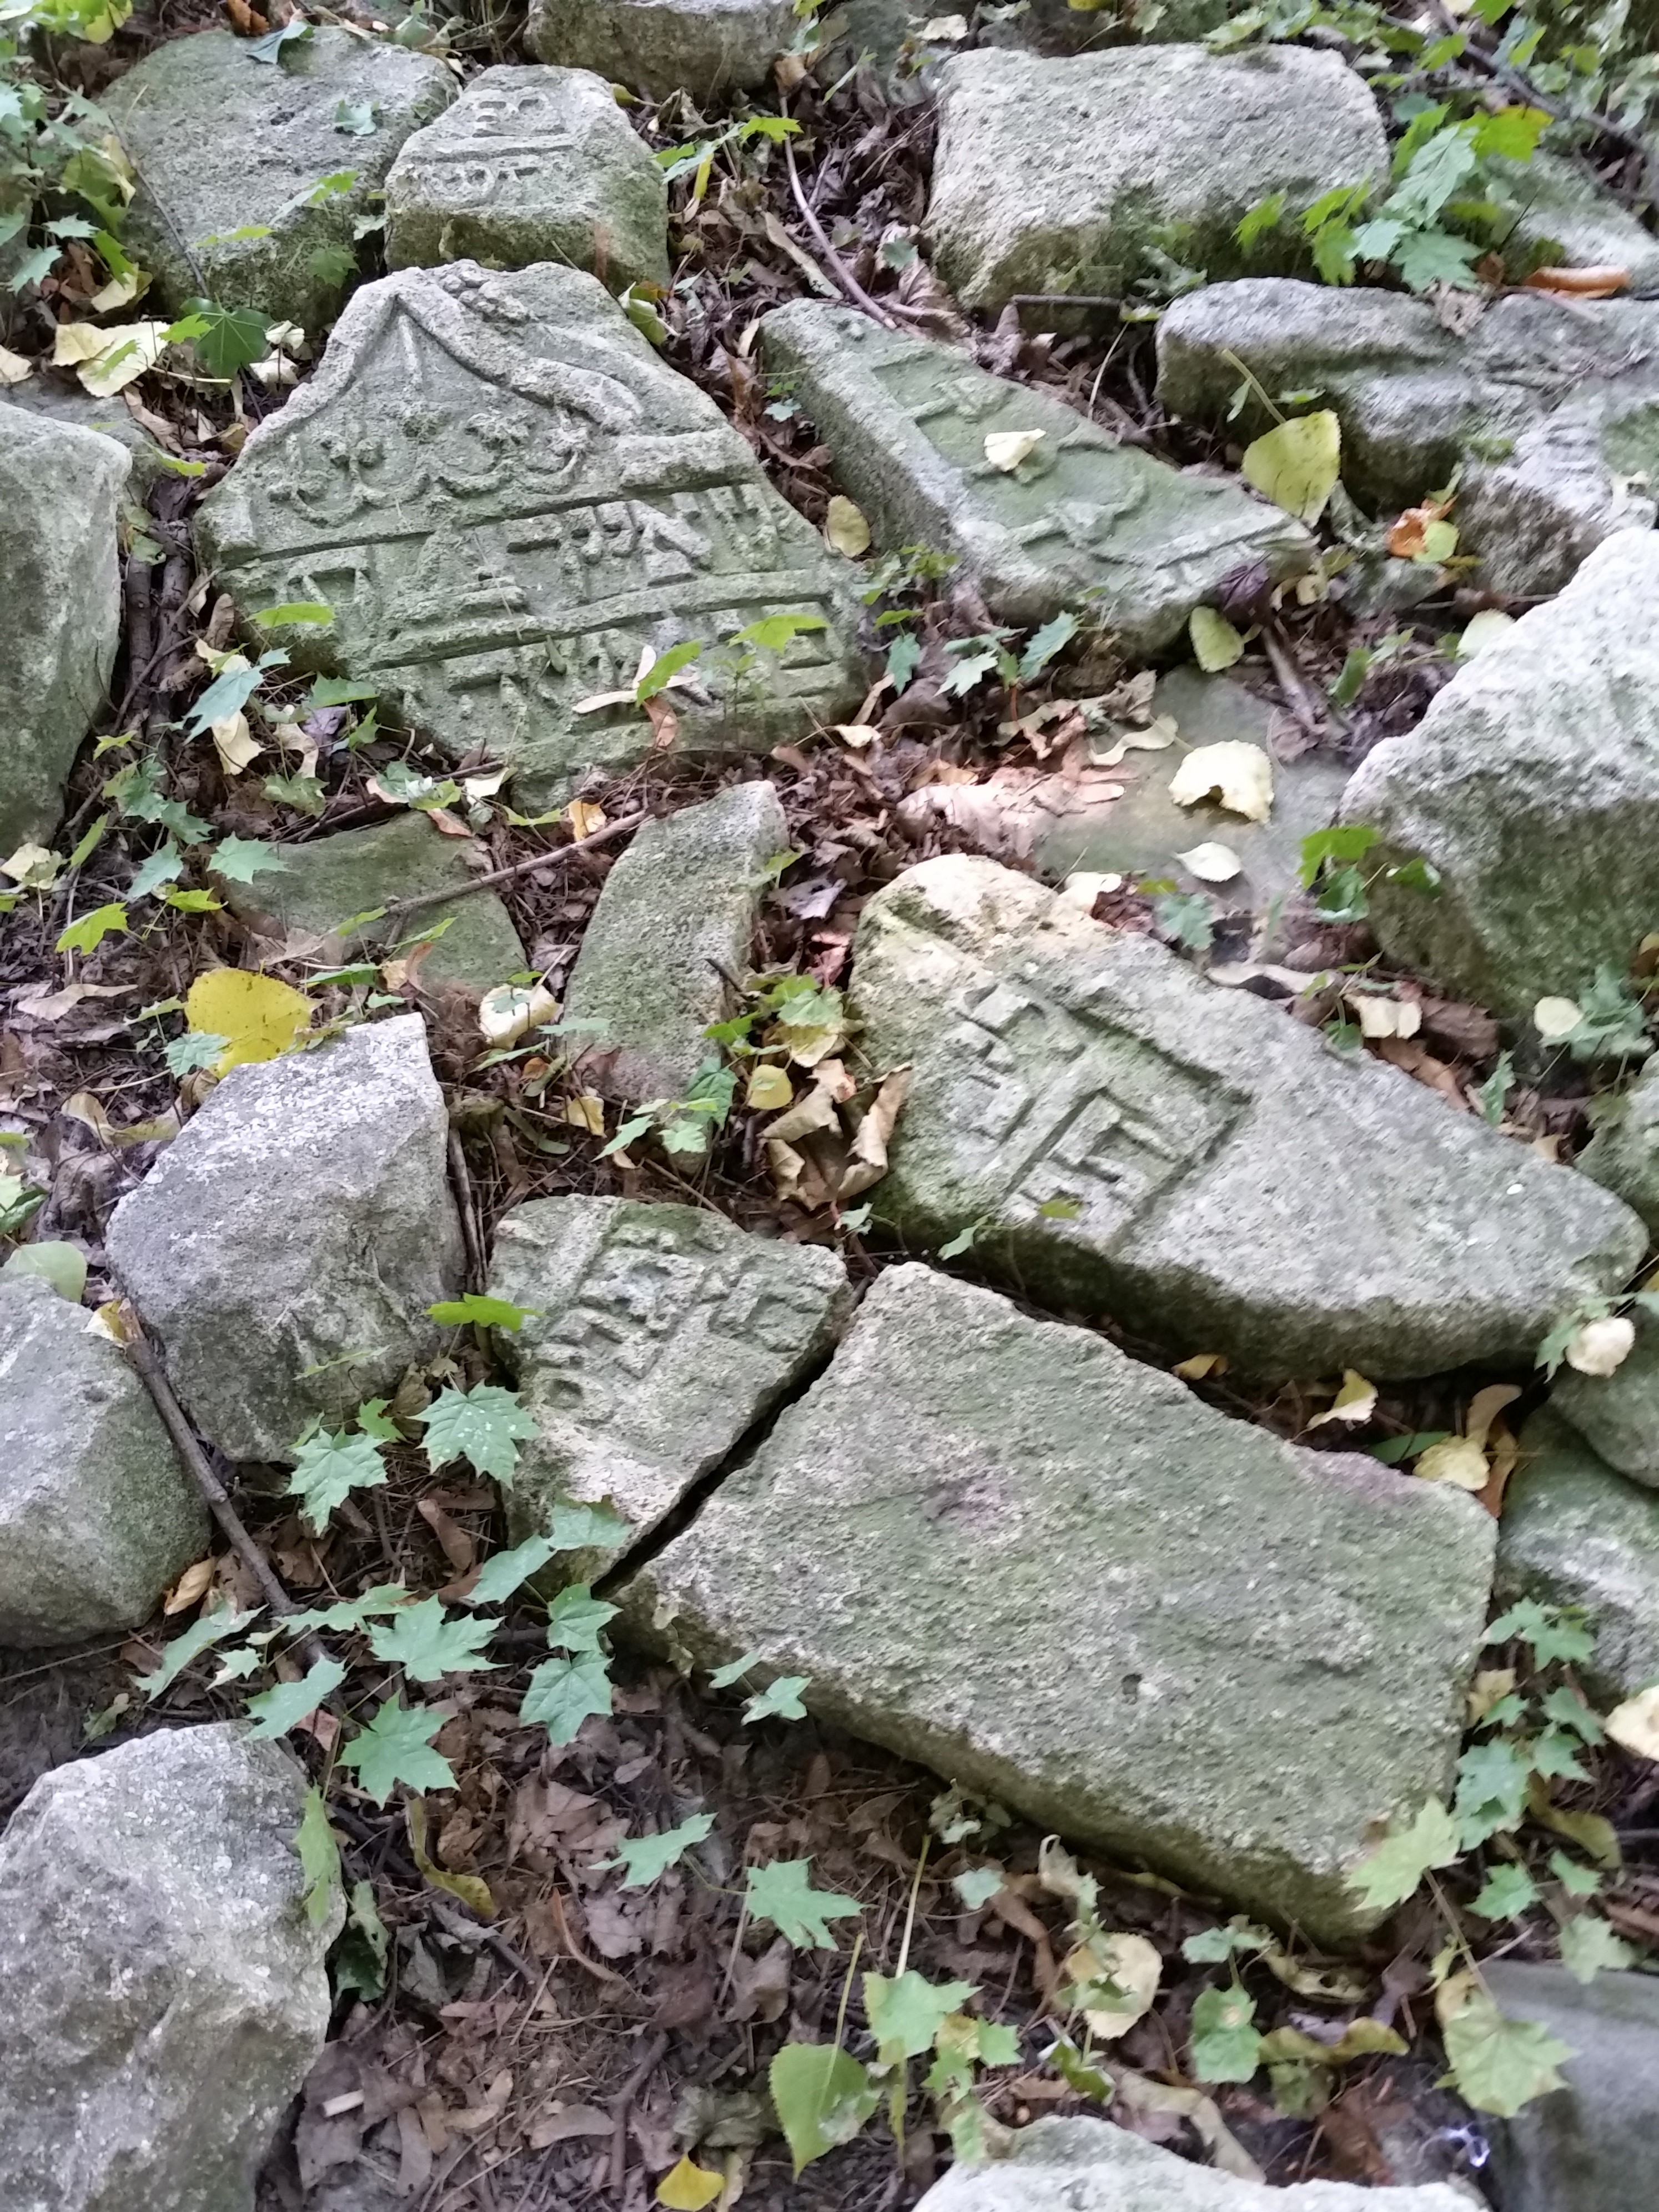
[
  {"x": 1618, "y": 1414},
  {"x": 1623, "y": 1155},
  {"x": 1574, "y": 1533},
  {"x": 1223, "y": 1177},
  {"x": 659, "y": 1335},
  {"x": 1084, "y": 518},
  {"x": 1532, "y": 784},
  {"x": 60, "y": 492},
  {"x": 97, "y": 1516},
  {"x": 1588, "y": 2148},
  {"x": 506, "y": 496},
  {"x": 1550, "y": 407},
  {"x": 56, "y": 399},
  {"x": 702, "y": 47},
  {"x": 1062, "y": 175},
  {"x": 1090, "y": 2166},
  {"x": 165, "y": 1994},
  {"x": 675, "y": 919},
  {"x": 222, "y": 143},
  {"x": 321, "y": 884},
  {"x": 531, "y": 165},
  {"x": 1560, "y": 206},
  {"x": 1004, "y": 1548},
  {"x": 287, "y": 1244}
]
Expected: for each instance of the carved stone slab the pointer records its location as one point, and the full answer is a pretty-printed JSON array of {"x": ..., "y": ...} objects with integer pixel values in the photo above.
[
  {"x": 907, "y": 421},
  {"x": 1132, "y": 1141},
  {"x": 531, "y": 165},
  {"x": 663, "y": 1333},
  {"x": 1004, "y": 1547},
  {"x": 506, "y": 497}
]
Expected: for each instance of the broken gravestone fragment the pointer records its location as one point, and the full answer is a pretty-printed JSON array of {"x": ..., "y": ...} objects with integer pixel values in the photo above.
[
  {"x": 531, "y": 165},
  {"x": 285, "y": 1246},
  {"x": 1121, "y": 1137},
  {"x": 507, "y": 501},
  {"x": 1549, "y": 408},
  {"x": 166, "y": 1993},
  {"x": 1069, "y": 176},
  {"x": 1623, "y": 1155},
  {"x": 1531, "y": 786},
  {"x": 277, "y": 233},
  {"x": 657, "y": 1336},
  {"x": 1091, "y": 2166},
  {"x": 97, "y": 1517},
  {"x": 657, "y": 47},
  {"x": 54, "y": 396},
  {"x": 674, "y": 926},
  {"x": 315, "y": 887},
  {"x": 978, "y": 1534},
  {"x": 60, "y": 492},
  {"x": 1618, "y": 1414},
  {"x": 1588, "y": 2147},
  {"x": 1082, "y": 519}
]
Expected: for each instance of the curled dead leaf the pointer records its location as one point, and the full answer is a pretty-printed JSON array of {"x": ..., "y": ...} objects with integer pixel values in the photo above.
[
  {"x": 1355, "y": 1402},
  {"x": 1635, "y": 1724},
  {"x": 507, "y": 1011},
  {"x": 192, "y": 1586},
  {"x": 1212, "y": 863},
  {"x": 1459, "y": 1461},
  {"x": 1600, "y": 1347},
  {"x": 1599, "y": 281},
  {"x": 1006, "y": 449},
  {"x": 1132, "y": 1965},
  {"x": 1240, "y": 775}
]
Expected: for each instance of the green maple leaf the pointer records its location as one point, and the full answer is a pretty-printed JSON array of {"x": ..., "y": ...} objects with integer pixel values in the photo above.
[
  {"x": 1390, "y": 1874},
  {"x": 319, "y": 1857},
  {"x": 239, "y": 859},
  {"x": 562, "y": 1692},
  {"x": 907, "y": 2012},
  {"x": 781, "y": 1701},
  {"x": 1553, "y": 1632},
  {"x": 89, "y": 932},
  {"x": 204, "y": 1633},
  {"x": 329, "y": 1467},
  {"x": 483, "y": 1426},
  {"x": 1227, "y": 2043},
  {"x": 576, "y": 1617},
  {"x": 645, "y": 1857},
  {"x": 1434, "y": 257},
  {"x": 1508, "y": 1892},
  {"x": 348, "y": 1612},
  {"x": 276, "y": 1711},
  {"x": 783, "y": 1894},
  {"x": 509, "y": 1570},
  {"x": 397, "y": 1747},
  {"x": 822, "y": 2095},
  {"x": 1491, "y": 1790},
  {"x": 484, "y": 1313},
  {"x": 164, "y": 865},
  {"x": 1498, "y": 2064},
  {"x": 427, "y": 1646},
  {"x": 587, "y": 1527},
  {"x": 1589, "y": 1944}
]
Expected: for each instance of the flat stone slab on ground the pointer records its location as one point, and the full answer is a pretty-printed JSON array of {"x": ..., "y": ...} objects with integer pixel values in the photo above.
[
  {"x": 1588, "y": 2148},
  {"x": 97, "y": 1516},
  {"x": 1574, "y": 1533},
  {"x": 1212, "y": 1170},
  {"x": 531, "y": 165},
  {"x": 675, "y": 921},
  {"x": 1623, "y": 1155},
  {"x": 702, "y": 47},
  {"x": 319, "y": 886},
  {"x": 660, "y": 1334},
  {"x": 56, "y": 399},
  {"x": 1064, "y": 175},
  {"x": 506, "y": 497},
  {"x": 1548, "y": 407},
  {"x": 190, "y": 111},
  {"x": 1091, "y": 2166},
  {"x": 1532, "y": 787},
  {"x": 166, "y": 1993},
  {"x": 60, "y": 491},
  {"x": 1081, "y": 518},
  {"x": 1004, "y": 1548},
  {"x": 287, "y": 1244}
]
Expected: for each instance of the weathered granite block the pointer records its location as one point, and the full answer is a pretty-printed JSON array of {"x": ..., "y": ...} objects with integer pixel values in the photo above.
[
  {"x": 1130, "y": 1139},
  {"x": 1004, "y": 1548},
  {"x": 285, "y": 1246},
  {"x": 1574, "y": 1533},
  {"x": 60, "y": 492},
  {"x": 1532, "y": 787},
  {"x": 1588, "y": 2148},
  {"x": 56, "y": 399},
  {"x": 531, "y": 165},
  {"x": 1082, "y": 517},
  {"x": 1549, "y": 406},
  {"x": 188, "y": 115},
  {"x": 660, "y": 1334},
  {"x": 1618, "y": 1414},
  {"x": 505, "y": 497},
  {"x": 1559, "y": 204},
  {"x": 97, "y": 1516},
  {"x": 1062, "y": 175},
  {"x": 1623, "y": 1155},
  {"x": 320, "y": 885},
  {"x": 702, "y": 47},
  {"x": 675, "y": 921}
]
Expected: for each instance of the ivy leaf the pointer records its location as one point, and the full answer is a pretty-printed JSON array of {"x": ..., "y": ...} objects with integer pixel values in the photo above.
[
  {"x": 1589, "y": 1944},
  {"x": 483, "y": 1426},
  {"x": 1226, "y": 2045},
  {"x": 239, "y": 859},
  {"x": 427, "y": 1646},
  {"x": 1043, "y": 644},
  {"x": 781, "y": 1701},
  {"x": 1556, "y": 1755},
  {"x": 276, "y": 1711},
  {"x": 319, "y": 1857},
  {"x": 562, "y": 1692},
  {"x": 329, "y": 1467},
  {"x": 1509, "y": 1891},
  {"x": 783, "y": 1894},
  {"x": 906, "y": 2013},
  {"x": 1568, "y": 1708},
  {"x": 1390, "y": 1874},
  {"x": 1552, "y": 1633},
  {"x": 723, "y": 1677},
  {"x": 1211, "y": 1945},
  {"x": 195, "y": 1048},
  {"x": 1496, "y": 2064},
  {"x": 347, "y": 1612},
  {"x": 576, "y": 1617},
  {"x": 587, "y": 1527},
  {"x": 1435, "y": 256},
  {"x": 1576, "y": 1881},
  {"x": 822, "y": 2096},
  {"x": 644, "y": 1857},
  {"x": 509, "y": 1570},
  {"x": 1491, "y": 1790},
  {"x": 207, "y": 1630},
  {"x": 397, "y": 1747}
]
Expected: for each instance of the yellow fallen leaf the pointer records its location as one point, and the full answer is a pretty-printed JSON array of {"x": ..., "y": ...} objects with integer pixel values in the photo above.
[
  {"x": 120, "y": 292},
  {"x": 234, "y": 742},
  {"x": 506, "y": 1013},
  {"x": 586, "y": 1112},
  {"x": 1600, "y": 1346},
  {"x": 1459, "y": 1461},
  {"x": 583, "y": 818},
  {"x": 844, "y": 527},
  {"x": 856, "y": 734},
  {"x": 1296, "y": 465},
  {"x": 107, "y": 360},
  {"x": 1491, "y": 1684},
  {"x": 1355, "y": 1402},
  {"x": 1484, "y": 1407},
  {"x": 1006, "y": 449},
  {"x": 192, "y": 1586},
  {"x": 769, "y": 1090},
  {"x": 258, "y": 1016},
  {"x": 1131, "y": 1964},
  {"x": 1635, "y": 1724},
  {"x": 1484, "y": 629},
  {"x": 32, "y": 866},
  {"x": 1554, "y": 1018},
  {"x": 1086, "y": 886},
  {"x": 1216, "y": 643},
  {"x": 1380, "y": 1016},
  {"x": 1212, "y": 863},
  {"x": 1239, "y": 774},
  {"x": 14, "y": 369},
  {"x": 1201, "y": 1365},
  {"x": 947, "y": 28},
  {"x": 472, "y": 1889},
  {"x": 688, "y": 2187}
]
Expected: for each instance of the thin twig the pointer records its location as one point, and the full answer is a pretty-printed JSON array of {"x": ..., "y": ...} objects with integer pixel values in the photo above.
[
  {"x": 622, "y": 2104},
  {"x": 1297, "y": 697},
  {"x": 837, "y": 268},
  {"x": 461, "y": 1177},
  {"x": 400, "y": 909}
]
